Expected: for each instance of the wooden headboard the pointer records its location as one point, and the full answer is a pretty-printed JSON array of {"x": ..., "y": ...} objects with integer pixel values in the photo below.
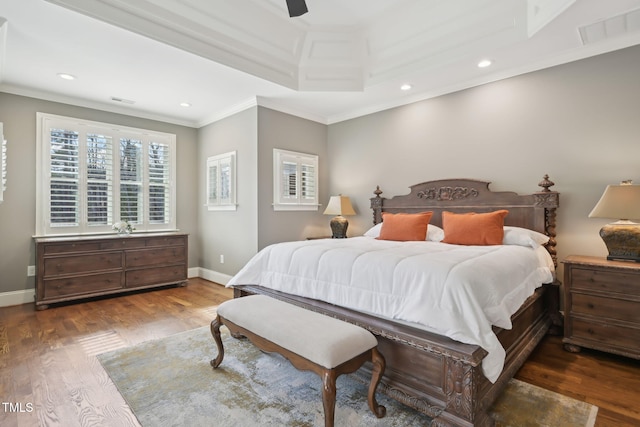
[{"x": 536, "y": 211}]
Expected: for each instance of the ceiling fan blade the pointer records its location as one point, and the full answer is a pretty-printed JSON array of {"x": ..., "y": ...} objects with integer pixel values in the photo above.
[{"x": 297, "y": 7}]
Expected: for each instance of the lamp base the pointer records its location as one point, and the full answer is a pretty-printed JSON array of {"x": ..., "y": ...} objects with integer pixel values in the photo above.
[
  {"x": 622, "y": 241},
  {"x": 339, "y": 226}
]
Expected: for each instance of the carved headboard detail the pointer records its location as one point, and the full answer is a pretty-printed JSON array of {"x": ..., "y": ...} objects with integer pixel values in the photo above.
[{"x": 536, "y": 211}]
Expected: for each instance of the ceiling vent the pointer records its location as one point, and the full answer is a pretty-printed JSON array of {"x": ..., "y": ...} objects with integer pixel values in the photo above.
[{"x": 616, "y": 26}]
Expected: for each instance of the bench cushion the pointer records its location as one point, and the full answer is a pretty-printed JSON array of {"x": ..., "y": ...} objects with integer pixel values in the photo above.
[{"x": 326, "y": 341}]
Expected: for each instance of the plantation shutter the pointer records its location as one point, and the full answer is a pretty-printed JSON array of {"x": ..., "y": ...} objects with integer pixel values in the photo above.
[
  {"x": 307, "y": 183},
  {"x": 224, "y": 190},
  {"x": 221, "y": 186},
  {"x": 64, "y": 166},
  {"x": 289, "y": 182},
  {"x": 3, "y": 164},
  {"x": 159, "y": 183},
  {"x": 296, "y": 183},
  {"x": 91, "y": 175},
  {"x": 99, "y": 179},
  {"x": 131, "y": 195},
  {"x": 212, "y": 196}
]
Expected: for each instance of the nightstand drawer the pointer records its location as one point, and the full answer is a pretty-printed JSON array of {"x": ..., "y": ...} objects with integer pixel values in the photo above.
[
  {"x": 610, "y": 308},
  {"x": 606, "y": 280},
  {"x": 605, "y": 334}
]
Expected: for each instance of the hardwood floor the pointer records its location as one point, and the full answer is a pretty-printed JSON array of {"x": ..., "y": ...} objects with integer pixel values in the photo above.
[{"x": 50, "y": 377}]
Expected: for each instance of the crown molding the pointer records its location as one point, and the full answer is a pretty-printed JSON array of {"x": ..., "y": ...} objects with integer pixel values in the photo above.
[{"x": 79, "y": 102}]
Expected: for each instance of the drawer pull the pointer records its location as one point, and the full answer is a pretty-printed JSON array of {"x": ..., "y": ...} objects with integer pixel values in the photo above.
[
  {"x": 590, "y": 305},
  {"x": 590, "y": 331}
]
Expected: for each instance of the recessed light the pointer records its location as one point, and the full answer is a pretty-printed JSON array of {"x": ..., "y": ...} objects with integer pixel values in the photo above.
[
  {"x": 185, "y": 104},
  {"x": 66, "y": 76},
  {"x": 123, "y": 100},
  {"x": 484, "y": 63},
  {"x": 405, "y": 86}
]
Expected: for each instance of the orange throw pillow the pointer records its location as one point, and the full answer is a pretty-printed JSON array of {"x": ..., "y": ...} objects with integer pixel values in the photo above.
[
  {"x": 474, "y": 228},
  {"x": 405, "y": 227}
]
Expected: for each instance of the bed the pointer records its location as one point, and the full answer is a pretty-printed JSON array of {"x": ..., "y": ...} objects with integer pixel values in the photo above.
[{"x": 451, "y": 381}]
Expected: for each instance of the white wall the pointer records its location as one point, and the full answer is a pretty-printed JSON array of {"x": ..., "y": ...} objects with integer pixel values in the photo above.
[{"x": 579, "y": 123}]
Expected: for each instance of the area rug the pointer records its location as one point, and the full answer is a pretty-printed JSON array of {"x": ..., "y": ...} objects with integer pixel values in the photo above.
[{"x": 169, "y": 382}]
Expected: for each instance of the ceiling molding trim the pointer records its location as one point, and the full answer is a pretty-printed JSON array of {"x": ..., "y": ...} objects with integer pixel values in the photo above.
[
  {"x": 542, "y": 12},
  {"x": 405, "y": 47},
  {"x": 77, "y": 102},
  {"x": 234, "y": 109},
  {"x": 587, "y": 52},
  {"x": 183, "y": 27},
  {"x": 287, "y": 109}
]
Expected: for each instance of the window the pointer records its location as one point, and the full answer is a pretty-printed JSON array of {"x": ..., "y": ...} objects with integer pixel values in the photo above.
[
  {"x": 3, "y": 163},
  {"x": 295, "y": 185},
  {"x": 91, "y": 175},
  {"x": 221, "y": 182}
]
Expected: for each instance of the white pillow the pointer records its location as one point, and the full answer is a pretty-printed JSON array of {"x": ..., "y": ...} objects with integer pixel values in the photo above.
[
  {"x": 523, "y": 237},
  {"x": 434, "y": 233},
  {"x": 374, "y": 231}
]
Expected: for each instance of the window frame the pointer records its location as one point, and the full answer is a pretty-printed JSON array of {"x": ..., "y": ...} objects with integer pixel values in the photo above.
[
  {"x": 282, "y": 203},
  {"x": 115, "y": 133},
  {"x": 218, "y": 203},
  {"x": 3, "y": 163}
]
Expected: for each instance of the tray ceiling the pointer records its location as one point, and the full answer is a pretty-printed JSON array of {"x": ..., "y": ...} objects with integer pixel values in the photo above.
[{"x": 342, "y": 59}]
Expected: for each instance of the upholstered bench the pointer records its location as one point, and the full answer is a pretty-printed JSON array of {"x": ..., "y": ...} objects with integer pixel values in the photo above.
[{"x": 310, "y": 341}]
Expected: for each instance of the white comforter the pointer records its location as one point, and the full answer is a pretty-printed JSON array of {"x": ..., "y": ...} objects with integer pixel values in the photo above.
[{"x": 456, "y": 291}]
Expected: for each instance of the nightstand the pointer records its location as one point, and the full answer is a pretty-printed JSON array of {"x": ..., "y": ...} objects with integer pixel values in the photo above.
[{"x": 602, "y": 305}]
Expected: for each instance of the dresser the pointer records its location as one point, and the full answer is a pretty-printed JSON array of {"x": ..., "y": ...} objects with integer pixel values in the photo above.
[
  {"x": 602, "y": 305},
  {"x": 71, "y": 268}
]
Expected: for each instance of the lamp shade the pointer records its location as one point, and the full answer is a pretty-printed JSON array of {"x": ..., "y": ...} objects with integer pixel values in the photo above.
[
  {"x": 339, "y": 205},
  {"x": 618, "y": 202}
]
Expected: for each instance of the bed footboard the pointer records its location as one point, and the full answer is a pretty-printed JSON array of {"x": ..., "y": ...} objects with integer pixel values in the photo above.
[{"x": 435, "y": 375}]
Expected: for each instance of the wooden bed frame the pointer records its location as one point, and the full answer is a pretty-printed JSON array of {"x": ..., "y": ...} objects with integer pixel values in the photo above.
[{"x": 434, "y": 374}]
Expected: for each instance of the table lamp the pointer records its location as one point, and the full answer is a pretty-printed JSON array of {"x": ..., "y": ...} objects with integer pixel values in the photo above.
[
  {"x": 339, "y": 205},
  {"x": 622, "y": 237}
]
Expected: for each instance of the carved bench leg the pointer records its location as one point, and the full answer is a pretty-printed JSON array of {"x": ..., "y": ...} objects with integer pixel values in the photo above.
[
  {"x": 329, "y": 396},
  {"x": 215, "y": 332},
  {"x": 379, "y": 365}
]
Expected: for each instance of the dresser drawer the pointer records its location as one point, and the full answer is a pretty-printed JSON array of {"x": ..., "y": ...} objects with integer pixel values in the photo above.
[
  {"x": 165, "y": 241},
  {"x": 158, "y": 256},
  {"x": 605, "y": 280},
  {"x": 57, "y": 288},
  {"x": 603, "y": 307},
  {"x": 78, "y": 264},
  {"x": 605, "y": 334},
  {"x": 157, "y": 275},
  {"x": 123, "y": 243},
  {"x": 63, "y": 248}
]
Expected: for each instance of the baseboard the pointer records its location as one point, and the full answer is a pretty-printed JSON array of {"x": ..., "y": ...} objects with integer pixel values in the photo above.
[
  {"x": 17, "y": 297},
  {"x": 214, "y": 276},
  {"x": 28, "y": 295}
]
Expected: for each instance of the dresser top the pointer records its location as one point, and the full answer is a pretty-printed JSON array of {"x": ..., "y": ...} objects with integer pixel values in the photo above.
[
  {"x": 600, "y": 262},
  {"x": 81, "y": 238}
]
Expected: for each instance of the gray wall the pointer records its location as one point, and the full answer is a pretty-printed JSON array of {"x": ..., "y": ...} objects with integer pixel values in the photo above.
[
  {"x": 230, "y": 233},
  {"x": 238, "y": 235},
  {"x": 286, "y": 132},
  {"x": 578, "y": 122},
  {"x": 17, "y": 212}
]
